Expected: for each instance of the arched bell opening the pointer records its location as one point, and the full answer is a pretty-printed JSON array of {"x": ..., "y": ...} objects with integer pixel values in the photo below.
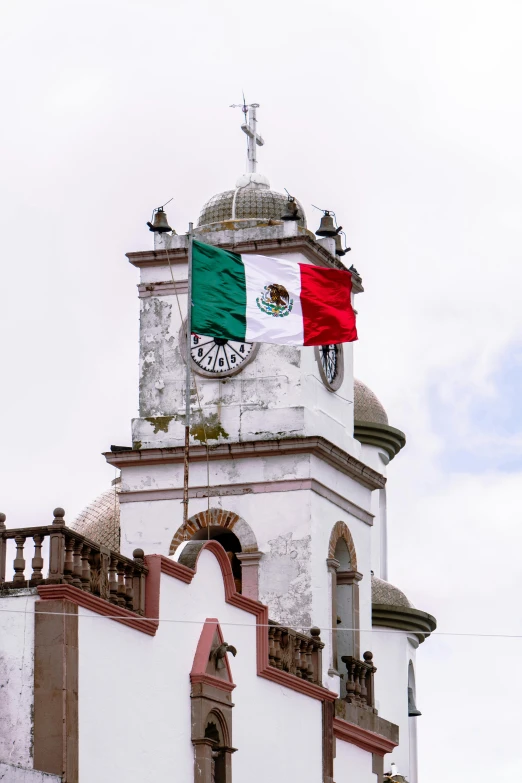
[
  {"x": 345, "y": 604},
  {"x": 230, "y": 543},
  {"x": 237, "y": 539},
  {"x": 342, "y": 564}
]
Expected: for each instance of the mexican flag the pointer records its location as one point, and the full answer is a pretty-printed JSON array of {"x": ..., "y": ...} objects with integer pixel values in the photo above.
[{"x": 264, "y": 299}]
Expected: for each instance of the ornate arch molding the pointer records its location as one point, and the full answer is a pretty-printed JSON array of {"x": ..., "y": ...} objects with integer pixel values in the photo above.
[
  {"x": 341, "y": 530},
  {"x": 218, "y": 517}
]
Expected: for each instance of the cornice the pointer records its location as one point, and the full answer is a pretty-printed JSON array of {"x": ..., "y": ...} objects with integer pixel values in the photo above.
[
  {"x": 162, "y": 288},
  {"x": 79, "y": 597},
  {"x": 363, "y": 738},
  {"x": 403, "y": 619},
  {"x": 390, "y": 439},
  {"x": 314, "y": 252},
  {"x": 313, "y": 445}
]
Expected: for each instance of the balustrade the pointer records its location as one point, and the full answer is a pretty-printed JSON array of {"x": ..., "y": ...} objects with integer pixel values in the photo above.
[
  {"x": 294, "y": 652},
  {"x": 74, "y": 560},
  {"x": 359, "y": 680}
]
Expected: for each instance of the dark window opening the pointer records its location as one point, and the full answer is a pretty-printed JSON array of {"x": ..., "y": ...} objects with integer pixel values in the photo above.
[{"x": 230, "y": 543}]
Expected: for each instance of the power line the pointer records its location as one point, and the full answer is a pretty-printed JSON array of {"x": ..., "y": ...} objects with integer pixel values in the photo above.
[{"x": 254, "y": 625}]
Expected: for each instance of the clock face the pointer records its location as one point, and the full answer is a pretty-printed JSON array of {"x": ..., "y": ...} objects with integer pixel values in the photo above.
[
  {"x": 214, "y": 356},
  {"x": 331, "y": 366}
]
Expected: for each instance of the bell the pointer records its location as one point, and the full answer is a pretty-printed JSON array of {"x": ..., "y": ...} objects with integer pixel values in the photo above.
[
  {"x": 160, "y": 224},
  {"x": 339, "y": 249},
  {"x": 292, "y": 213},
  {"x": 327, "y": 228},
  {"x": 413, "y": 712}
]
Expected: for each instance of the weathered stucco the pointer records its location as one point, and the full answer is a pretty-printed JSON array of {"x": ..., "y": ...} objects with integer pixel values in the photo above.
[
  {"x": 15, "y": 774},
  {"x": 278, "y": 394},
  {"x": 16, "y": 678},
  {"x": 285, "y": 580}
]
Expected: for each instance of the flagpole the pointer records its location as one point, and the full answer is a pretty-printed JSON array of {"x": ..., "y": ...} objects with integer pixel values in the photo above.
[{"x": 187, "y": 381}]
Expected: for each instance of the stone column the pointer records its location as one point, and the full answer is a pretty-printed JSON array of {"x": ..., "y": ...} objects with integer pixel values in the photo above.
[{"x": 250, "y": 573}]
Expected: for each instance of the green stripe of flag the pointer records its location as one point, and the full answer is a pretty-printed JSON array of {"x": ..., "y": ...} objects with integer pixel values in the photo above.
[{"x": 218, "y": 293}]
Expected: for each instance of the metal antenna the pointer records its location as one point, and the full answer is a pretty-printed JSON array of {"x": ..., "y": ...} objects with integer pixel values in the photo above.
[{"x": 250, "y": 128}]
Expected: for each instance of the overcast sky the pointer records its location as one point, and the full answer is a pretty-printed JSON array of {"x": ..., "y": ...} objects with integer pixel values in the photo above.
[{"x": 405, "y": 117}]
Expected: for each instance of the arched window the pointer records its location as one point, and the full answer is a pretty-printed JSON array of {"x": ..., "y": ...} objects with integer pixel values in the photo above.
[
  {"x": 237, "y": 539},
  {"x": 342, "y": 564}
]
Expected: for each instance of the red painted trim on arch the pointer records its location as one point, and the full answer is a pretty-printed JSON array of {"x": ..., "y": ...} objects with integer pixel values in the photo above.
[
  {"x": 261, "y": 614},
  {"x": 159, "y": 564},
  {"x": 363, "y": 738},
  {"x": 199, "y": 667}
]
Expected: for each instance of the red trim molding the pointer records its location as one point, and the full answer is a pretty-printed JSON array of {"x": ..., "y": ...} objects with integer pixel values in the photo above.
[
  {"x": 363, "y": 738},
  {"x": 98, "y": 605},
  {"x": 261, "y": 614},
  {"x": 199, "y": 671},
  {"x": 159, "y": 564}
]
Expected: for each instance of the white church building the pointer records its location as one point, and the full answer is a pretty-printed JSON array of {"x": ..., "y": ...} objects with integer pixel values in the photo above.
[{"x": 261, "y": 640}]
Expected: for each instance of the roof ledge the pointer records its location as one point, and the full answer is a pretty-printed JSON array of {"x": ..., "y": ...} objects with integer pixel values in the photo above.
[
  {"x": 382, "y": 436},
  {"x": 403, "y": 619}
]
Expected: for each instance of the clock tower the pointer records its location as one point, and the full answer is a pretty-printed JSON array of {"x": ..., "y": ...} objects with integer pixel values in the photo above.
[{"x": 276, "y": 474}]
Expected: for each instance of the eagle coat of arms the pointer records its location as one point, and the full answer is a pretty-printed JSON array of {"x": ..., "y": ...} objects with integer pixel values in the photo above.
[{"x": 275, "y": 300}]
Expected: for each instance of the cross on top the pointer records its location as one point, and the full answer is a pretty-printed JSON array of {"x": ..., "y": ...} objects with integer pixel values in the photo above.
[{"x": 250, "y": 128}]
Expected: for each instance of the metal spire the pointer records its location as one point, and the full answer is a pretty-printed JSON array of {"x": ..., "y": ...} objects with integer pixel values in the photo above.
[{"x": 250, "y": 128}]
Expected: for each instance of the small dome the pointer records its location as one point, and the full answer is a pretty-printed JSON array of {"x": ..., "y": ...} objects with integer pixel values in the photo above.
[
  {"x": 366, "y": 405},
  {"x": 100, "y": 520},
  {"x": 251, "y": 199},
  {"x": 387, "y": 594}
]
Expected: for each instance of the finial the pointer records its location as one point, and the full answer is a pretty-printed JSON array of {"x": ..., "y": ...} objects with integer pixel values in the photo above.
[
  {"x": 250, "y": 128},
  {"x": 2, "y": 521},
  {"x": 59, "y": 514}
]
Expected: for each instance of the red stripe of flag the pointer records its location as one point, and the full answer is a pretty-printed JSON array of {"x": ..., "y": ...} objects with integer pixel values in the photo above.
[{"x": 328, "y": 314}]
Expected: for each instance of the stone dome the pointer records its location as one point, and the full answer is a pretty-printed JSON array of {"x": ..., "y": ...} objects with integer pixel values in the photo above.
[
  {"x": 100, "y": 520},
  {"x": 367, "y": 407},
  {"x": 251, "y": 199},
  {"x": 386, "y": 594}
]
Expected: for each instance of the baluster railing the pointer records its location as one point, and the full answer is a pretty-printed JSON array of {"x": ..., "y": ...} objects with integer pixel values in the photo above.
[
  {"x": 122, "y": 590},
  {"x": 138, "y": 582},
  {"x": 37, "y": 561},
  {"x": 113, "y": 579},
  {"x": 86, "y": 568},
  {"x": 359, "y": 680},
  {"x": 76, "y": 561},
  {"x": 271, "y": 646},
  {"x": 3, "y": 549},
  {"x": 68, "y": 565},
  {"x": 19, "y": 562},
  {"x": 295, "y": 653}
]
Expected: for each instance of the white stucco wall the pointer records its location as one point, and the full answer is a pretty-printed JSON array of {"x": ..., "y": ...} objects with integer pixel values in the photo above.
[
  {"x": 352, "y": 764},
  {"x": 16, "y": 679},
  {"x": 392, "y": 654},
  {"x": 141, "y": 684}
]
